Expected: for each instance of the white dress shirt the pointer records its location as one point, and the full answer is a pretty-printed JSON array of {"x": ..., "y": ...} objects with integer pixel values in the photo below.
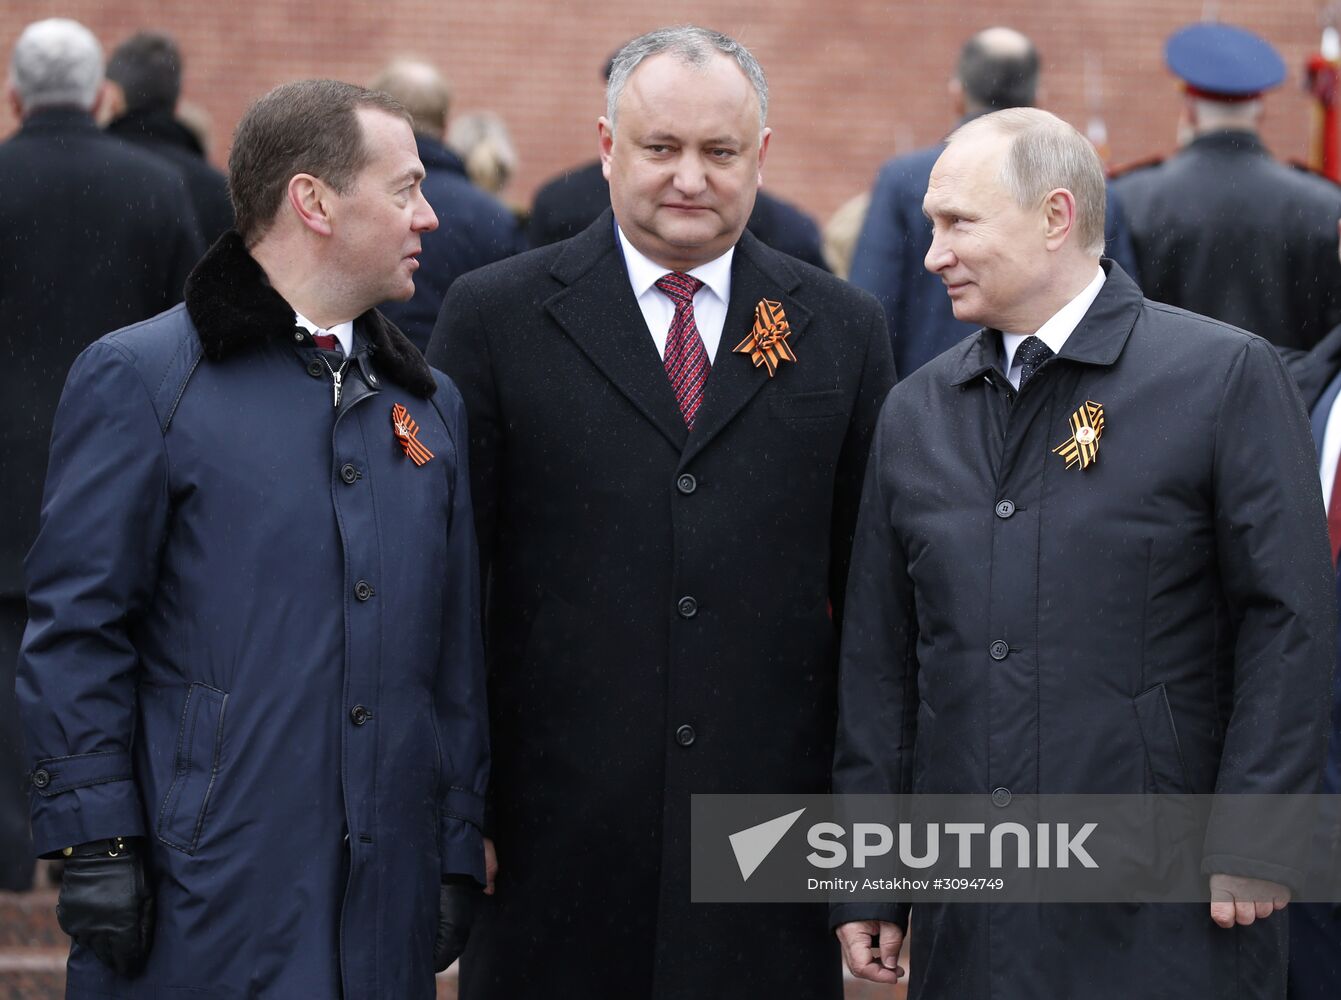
[
  {"x": 658, "y": 308},
  {"x": 343, "y": 332},
  {"x": 1331, "y": 452},
  {"x": 1056, "y": 330}
]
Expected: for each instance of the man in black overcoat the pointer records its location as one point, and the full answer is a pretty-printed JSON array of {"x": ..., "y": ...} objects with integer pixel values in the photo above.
[
  {"x": 145, "y": 81},
  {"x": 1315, "y": 928},
  {"x": 669, "y": 423},
  {"x": 1221, "y": 227},
  {"x": 1091, "y": 558},
  {"x": 94, "y": 235}
]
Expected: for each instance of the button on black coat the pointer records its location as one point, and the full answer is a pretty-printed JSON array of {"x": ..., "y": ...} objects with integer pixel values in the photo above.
[
  {"x": 1224, "y": 230},
  {"x": 1170, "y": 617}
]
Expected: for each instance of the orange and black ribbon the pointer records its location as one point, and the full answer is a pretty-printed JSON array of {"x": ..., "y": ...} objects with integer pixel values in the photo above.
[
  {"x": 407, "y": 433},
  {"x": 767, "y": 343},
  {"x": 1087, "y": 426}
]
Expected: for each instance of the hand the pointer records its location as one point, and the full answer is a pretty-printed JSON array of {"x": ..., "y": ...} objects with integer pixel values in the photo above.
[
  {"x": 1236, "y": 899},
  {"x": 105, "y": 902},
  {"x": 875, "y": 960},
  {"x": 490, "y": 866},
  {"x": 458, "y": 902}
]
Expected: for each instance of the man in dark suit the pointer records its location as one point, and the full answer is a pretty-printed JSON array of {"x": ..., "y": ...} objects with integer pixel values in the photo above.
[
  {"x": 570, "y": 202},
  {"x": 998, "y": 68},
  {"x": 1221, "y": 228},
  {"x": 1097, "y": 566},
  {"x": 96, "y": 235},
  {"x": 145, "y": 81},
  {"x": 1315, "y": 928},
  {"x": 476, "y": 228},
  {"x": 668, "y": 425}
]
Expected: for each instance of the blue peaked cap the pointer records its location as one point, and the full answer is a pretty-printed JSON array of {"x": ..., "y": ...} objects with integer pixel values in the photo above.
[{"x": 1220, "y": 59}]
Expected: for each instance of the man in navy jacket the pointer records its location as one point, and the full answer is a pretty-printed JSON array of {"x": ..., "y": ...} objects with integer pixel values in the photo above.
[
  {"x": 251, "y": 683},
  {"x": 476, "y": 228}
]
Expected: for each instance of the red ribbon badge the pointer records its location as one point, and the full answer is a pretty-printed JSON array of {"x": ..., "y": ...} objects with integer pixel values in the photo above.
[{"x": 407, "y": 433}]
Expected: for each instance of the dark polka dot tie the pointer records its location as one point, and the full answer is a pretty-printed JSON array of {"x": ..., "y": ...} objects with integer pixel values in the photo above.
[
  {"x": 1030, "y": 356},
  {"x": 686, "y": 358}
]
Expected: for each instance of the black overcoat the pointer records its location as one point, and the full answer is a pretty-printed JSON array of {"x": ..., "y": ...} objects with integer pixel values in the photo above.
[
  {"x": 1226, "y": 231},
  {"x": 659, "y": 615},
  {"x": 1162, "y": 621},
  {"x": 94, "y": 235}
]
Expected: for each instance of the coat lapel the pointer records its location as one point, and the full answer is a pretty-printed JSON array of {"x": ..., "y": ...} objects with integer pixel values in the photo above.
[
  {"x": 756, "y": 273},
  {"x": 598, "y": 311}
]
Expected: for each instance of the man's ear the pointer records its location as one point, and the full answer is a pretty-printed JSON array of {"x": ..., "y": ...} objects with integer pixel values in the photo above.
[
  {"x": 763, "y": 152},
  {"x": 956, "y": 91},
  {"x": 606, "y": 131},
  {"x": 1059, "y": 217},
  {"x": 310, "y": 199},
  {"x": 109, "y": 103},
  {"x": 15, "y": 102}
]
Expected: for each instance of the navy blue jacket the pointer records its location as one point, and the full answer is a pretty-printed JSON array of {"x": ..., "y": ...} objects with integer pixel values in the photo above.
[
  {"x": 893, "y": 242},
  {"x": 474, "y": 229},
  {"x": 254, "y": 641}
]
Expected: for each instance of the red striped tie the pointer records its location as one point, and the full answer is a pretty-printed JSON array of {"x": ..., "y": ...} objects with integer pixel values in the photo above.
[{"x": 687, "y": 362}]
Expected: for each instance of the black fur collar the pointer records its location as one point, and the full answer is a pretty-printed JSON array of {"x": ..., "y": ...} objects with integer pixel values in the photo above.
[{"x": 234, "y": 308}]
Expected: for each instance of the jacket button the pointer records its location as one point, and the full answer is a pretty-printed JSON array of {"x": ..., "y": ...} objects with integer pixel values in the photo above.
[
  {"x": 688, "y": 607},
  {"x": 363, "y": 590},
  {"x": 314, "y": 368},
  {"x": 1001, "y": 797},
  {"x": 1005, "y": 508},
  {"x": 686, "y": 484},
  {"x": 359, "y": 715},
  {"x": 349, "y": 474},
  {"x": 685, "y": 736},
  {"x": 999, "y": 650},
  {"x": 41, "y": 778}
]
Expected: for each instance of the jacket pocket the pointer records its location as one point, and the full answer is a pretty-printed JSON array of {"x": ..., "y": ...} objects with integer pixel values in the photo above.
[
  {"x": 199, "y": 740},
  {"x": 1162, "y": 754},
  {"x": 809, "y": 405}
]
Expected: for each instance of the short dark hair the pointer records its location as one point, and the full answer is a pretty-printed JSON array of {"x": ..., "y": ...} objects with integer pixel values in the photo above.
[
  {"x": 148, "y": 68},
  {"x": 306, "y": 127},
  {"x": 994, "y": 80}
]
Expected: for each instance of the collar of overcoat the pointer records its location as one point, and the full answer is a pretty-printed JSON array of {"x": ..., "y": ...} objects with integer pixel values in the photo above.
[
  {"x": 235, "y": 308},
  {"x": 597, "y": 309},
  {"x": 1097, "y": 340}
]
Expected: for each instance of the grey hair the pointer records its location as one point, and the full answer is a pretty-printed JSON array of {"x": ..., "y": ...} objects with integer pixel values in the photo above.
[
  {"x": 56, "y": 61},
  {"x": 1045, "y": 154},
  {"x": 693, "y": 46}
]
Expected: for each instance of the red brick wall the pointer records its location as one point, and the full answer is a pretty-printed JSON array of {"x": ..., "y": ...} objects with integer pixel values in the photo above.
[{"x": 853, "y": 81}]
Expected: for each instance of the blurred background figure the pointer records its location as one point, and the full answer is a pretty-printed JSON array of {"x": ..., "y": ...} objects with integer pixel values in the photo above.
[
  {"x": 96, "y": 235},
  {"x": 998, "y": 68},
  {"x": 570, "y": 202},
  {"x": 841, "y": 232},
  {"x": 1221, "y": 228},
  {"x": 144, "y": 84},
  {"x": 482, "y": 141},
  {"x": 474, "y": 228}
]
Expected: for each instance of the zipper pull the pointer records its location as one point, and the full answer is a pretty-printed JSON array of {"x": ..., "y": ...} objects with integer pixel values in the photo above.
[{"x": 336, "y": 378}]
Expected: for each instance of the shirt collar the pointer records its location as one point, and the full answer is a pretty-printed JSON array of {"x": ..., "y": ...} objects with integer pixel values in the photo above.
[
  {"x": 644, "y": 273},
  {"x": 343, "y": 332},
  {"x": 1059, "y": 326}
]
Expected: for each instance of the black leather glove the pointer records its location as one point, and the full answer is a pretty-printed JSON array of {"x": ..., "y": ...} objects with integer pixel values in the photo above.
[
  {"x": 106, "y": 904},
  {"x": 458, "y": 903}
]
